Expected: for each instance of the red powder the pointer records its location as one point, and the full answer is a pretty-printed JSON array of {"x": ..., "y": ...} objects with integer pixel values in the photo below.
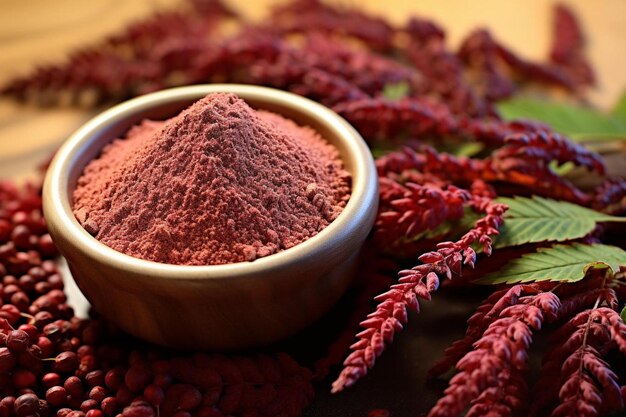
[{"x": 217, "y": 184}]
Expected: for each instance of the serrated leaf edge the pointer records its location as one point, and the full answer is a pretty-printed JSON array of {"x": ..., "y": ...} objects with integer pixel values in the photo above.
[{"x": 529, "y": 258}]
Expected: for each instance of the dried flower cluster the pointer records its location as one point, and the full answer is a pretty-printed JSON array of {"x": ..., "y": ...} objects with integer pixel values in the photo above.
[{"x": 435, "y": 208}]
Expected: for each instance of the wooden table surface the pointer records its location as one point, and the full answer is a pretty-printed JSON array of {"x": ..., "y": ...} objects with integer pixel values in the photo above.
[{"x": 36, "y": 31}]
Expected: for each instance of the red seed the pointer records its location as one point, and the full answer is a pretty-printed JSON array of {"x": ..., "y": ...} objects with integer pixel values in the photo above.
[
  {"x": 7, "y": 360},
  {"x": 95, "y": 378},
  {"x": 23, "y": 378},
  {"x": 57, "y": 296},
  {"x": 30, "y": 359},
  {"x": 46, "y": 346},
  {"x": 9, "y": 280},
  {"x": 9, "y": 290},
  {"x": 43, "y": 408},
  {"x": 51, "y": 330},
  {"x": 55, "y": 281},
  {"x": 123, "y": 396},
  {"x": 63, "y": 412},
  {"x": 38, "y": 273},
  {"x": 161, "y": 366},
  {"x": 5, "y": 231},
  {"x": 43, "y": 317},
  {"x": 74, "y": 386},
  {"x": 136, "y": 379},
  {"x": 190, "y": 398},
  {"x": 47, "y": 246},
  {"x": 6, "y": 406},
  {"x": 20, "y": 300},
  {"x": 109, "y": 405},
  {"x": 92, "y": 334},
  {"x": 97, "y": 393},
  {"x": 66, "y": 362},
  {"x": 50, "y": 267},
  {"x": 113, "y": 378},
  {"x": 27, "y": 283},
  {"x": 139, "y": 409},
  {"x": 21, "y": 236},
  {"x": 85, "y": 350},
  {"x": 94, "y": 413},
  {"x": 56, "y": 396},
  {"x": 31, "y": 330},
  {"x": 74, "y": 402},
  {"x": 18, "y": 340},
  {"x": 65, "y": 346},
  {"x": 42, "y": 287},
  {"x": 88, "y": 405},
  {"x": 50, "y": 380},
  {"x": 87, "y": 364},
  {"x": 20, "y": 217},
  {"x": 33, "y": 241},
  {"x": 154, "y": 394},
  {"x": 10, "y": 313},
  {"x": 163, "y": 380},
  {"x": 7, "y": 250},
  {"x": 26, "y": 405}
]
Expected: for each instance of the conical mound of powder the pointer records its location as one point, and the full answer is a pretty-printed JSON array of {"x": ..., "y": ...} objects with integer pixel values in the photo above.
[{"x": 219, "y": 183}]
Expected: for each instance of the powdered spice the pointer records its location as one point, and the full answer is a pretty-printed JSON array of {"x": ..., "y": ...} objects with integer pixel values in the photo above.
[{"x": 217, "y": 184}]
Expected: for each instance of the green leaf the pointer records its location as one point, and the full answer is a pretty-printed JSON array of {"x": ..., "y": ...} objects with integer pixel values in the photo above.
[
  {"x": 597, "y": 137},
  {"x": 619, "y": 111},
  {"x": 580, "y": 123},
  {"x": 538, "y": 219},
  {"x": 563, "y": 169},
  {"x": 564, "y": 263},
  {"x": 468, "y": 149},
  {"x": 396, "y": 91},
  {"x": 623, "y": 314}
]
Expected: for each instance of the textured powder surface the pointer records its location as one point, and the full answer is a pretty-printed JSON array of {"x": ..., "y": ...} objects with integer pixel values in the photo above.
[{"x": 219, "y": 183}]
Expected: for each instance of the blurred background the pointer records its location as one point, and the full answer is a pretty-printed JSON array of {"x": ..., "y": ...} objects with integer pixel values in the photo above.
[{"x": 43, "y": 31}]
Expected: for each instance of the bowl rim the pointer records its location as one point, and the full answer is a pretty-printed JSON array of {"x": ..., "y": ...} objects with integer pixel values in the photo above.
[{"x": 364, "y": 195}]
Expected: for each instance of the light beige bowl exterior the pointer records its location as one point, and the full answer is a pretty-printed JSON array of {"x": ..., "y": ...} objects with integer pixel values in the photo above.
[{"x": 218, "y": 307}]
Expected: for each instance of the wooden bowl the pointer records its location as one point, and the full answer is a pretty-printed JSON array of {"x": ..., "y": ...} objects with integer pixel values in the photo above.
[{"x": 221, "y": 307}]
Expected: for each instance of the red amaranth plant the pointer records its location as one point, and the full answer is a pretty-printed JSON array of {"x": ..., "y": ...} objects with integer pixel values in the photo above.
[
  {"x": 486, "y": 57},
  {"x": 574, "y": 376},
  {"x": 409, "y": 209},
  {"x": 524, "y": 162},
  {"x": 491, "y": 376},
  {"x": 179, "y": 47},
  {"x": 441, "y": 68},
  {"x": 418, "y": 282},
  {"x": 567, "y": 47},
  {"x": 144, "y": 57},
  {"x": 492, "y": 357},
  {"x": 315, "y": 16}
]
